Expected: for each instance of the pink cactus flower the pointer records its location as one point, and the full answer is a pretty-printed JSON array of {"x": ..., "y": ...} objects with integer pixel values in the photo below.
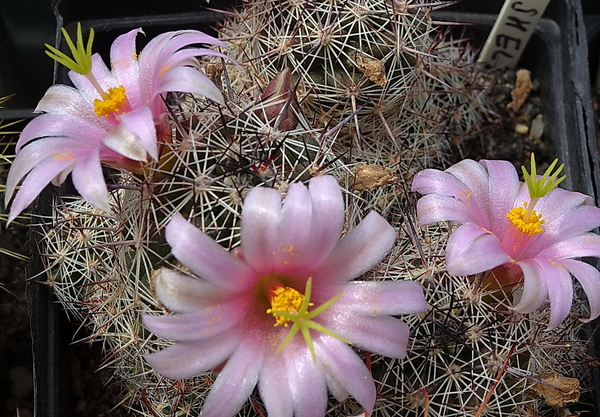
[
  {"x": 532, "y": 227},
  {"x": 110, "y": 116},
  {"x": 280, "y": 311}
]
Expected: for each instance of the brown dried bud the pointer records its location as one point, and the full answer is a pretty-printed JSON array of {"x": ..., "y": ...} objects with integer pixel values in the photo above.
[
  {"x": 369, "y": 177},
  {"x": 556, "y": 390},
  {"x": 279, "y": 103}
]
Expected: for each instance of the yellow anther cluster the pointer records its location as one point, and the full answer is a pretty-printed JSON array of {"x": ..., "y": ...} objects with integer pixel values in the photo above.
[
  {"x": 529, "y": 223},
  {"x": 114, "y": 102},
  {"x": 284, "y": 299}
]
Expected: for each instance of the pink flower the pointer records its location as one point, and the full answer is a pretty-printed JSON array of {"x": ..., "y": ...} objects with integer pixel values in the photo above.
[
  {"x": 532, "y": 226},
  {"x": 109, "y": 117},
  {"x": 279, "y": 312}
]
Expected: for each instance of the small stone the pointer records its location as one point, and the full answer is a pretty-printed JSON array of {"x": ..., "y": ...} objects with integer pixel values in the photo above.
[
  {"x": 521, "y": 129},
  {"x": 537, "y": 127}
]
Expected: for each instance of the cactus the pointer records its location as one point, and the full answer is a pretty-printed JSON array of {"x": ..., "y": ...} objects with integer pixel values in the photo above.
[{"x": 365, "y": 91}]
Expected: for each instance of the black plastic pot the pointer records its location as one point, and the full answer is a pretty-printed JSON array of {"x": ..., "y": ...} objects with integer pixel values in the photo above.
[{"x": 556, "y": 56}]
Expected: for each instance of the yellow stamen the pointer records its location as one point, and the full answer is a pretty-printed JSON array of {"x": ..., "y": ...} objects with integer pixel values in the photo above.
[
  {"x": 284, "y": 299},
  {"x": 527, "y": 221},
  {"x": 289, "y": 305},
  {"x": 114, "y": 102}
]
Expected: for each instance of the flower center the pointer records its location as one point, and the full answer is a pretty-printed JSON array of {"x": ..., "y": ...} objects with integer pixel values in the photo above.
[
  {"x": 284, "y": 299},
  {"x": 113, "y": 102},
  {"x": 287, "y": 304},
  {"x": 527, "y": 221}
]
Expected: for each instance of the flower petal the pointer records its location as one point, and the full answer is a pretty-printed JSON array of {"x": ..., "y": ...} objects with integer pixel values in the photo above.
[
  {"x": 188, "y": 359},
  {"x": 344, "y": 365},
  {"x": 275, "y": 388},
  {"x": 474, "y": 175},
  {"x": 433, "y": 208},
  {"x": 235, "y": 382},
  {"x": 535, "y": 291},
  {"x": 68, "y": 101},
  {"x": 575, "y": 247},
  {"x": 357, "y": 252},
  {"x": 589, "y": 278},
  {"x": 560, "y": 290},
  {"x": 472, "y": 249},
  {"x": 575, "y": 222},
  {"x": 199, "y": 325},
  {"x": 61, "y": 125},
  {"x": 307, "y": 382},
  {"x": 206, "y": 258},
  {"x": 503, "y": 189},
  {"x": 384, "y": 335},
  {"x": 183, "y": 293},
  {"x": 135, "y": 136},
  {"x": 88, "y": 179},
  {"x": 189, "y": 80},
  {"x": 124, "y": 66},
  {"x": 260, "y": 217},
  {"x": 383, "y": 298}
]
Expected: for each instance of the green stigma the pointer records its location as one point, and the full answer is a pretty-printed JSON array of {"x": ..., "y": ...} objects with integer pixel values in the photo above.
[
  {"x": 539, "y": 188},
  {"x": 82, "y": 62},
  {"x": 303, "y": 322}
]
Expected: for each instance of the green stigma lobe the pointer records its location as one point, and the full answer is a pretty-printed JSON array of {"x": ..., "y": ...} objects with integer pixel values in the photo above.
[
  {"x": 540, "y": 187},
  {"x": 82, "y": 55},
  {"x": 303, "y": 322}
]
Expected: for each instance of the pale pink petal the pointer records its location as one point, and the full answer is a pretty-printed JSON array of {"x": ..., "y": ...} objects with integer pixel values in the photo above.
[
  {"x": 433, "y": 208},
  {"x": 306, "y": 379},
  {"x": 88, "y": 180},
  {"x": 63, "y": 99},
  {"x": 294, "y": 239},
  {"x": 123, "y": 142},
  {"x": 476, "y": 179},
  {"x": 575, "y": 247},
  {"x": 535, "y": 291},
  {"x": 382, "y": 298},
  {"x": 61, "y": 125},
  {"x": 560, "y": 202},
  {"x": 274, "y": 387},
  {"x": 504, "y": 187},
  {"x": 236, "y": 381},
  {"x": 182, "y": 56},
  {"x": 260, "y": 217},
  {"x": 33, "y": 154},
  {"x": 188, "y": 359},
  {"x": 472, "y": 249},
  {"x": 189, "y": 80},
  {"x": 183, "y": 293},
  {"x": 328, "y": 216},
  {"x": 58, "y": 163},
  {"x": 357, "y": 252},
  {"x": 589, "y": 278},
  {"x": 206, "y": 258},
  {"x": 345, "y": 367},
  {"x": 575, "y": 222},
  {"x": 136, "y": 131},
  {"x": 215, "y": 318},
  {"x": 384, "y": 335},
  {"x": 124, "y": 66},
  {"x": 560, "y": 290}
]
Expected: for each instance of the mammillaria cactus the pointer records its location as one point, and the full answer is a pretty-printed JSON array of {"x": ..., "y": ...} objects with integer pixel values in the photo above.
[{"x": 354, "y": 90}]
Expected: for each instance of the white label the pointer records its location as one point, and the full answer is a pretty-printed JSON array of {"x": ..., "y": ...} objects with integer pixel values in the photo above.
[{"x": 512, "y": 31}]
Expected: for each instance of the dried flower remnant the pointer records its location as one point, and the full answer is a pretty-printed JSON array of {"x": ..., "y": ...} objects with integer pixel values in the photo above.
[
  {"x": 534, "y": 226},
  {"x": 371, "y": 176},
  {"x": 115, "y": 117},
  {"x": 279, "y": 312},
  {"x": 557, "y": 390}
]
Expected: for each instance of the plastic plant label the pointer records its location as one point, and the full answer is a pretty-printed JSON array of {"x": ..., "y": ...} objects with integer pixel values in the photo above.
[{"x": 511, "y": 32}]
